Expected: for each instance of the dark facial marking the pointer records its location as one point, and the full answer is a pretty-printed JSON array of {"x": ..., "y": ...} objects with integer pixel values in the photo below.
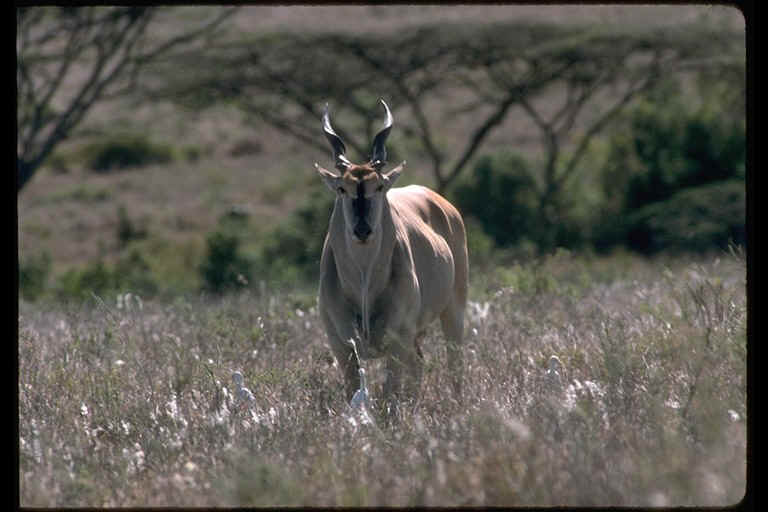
[{"x": 361, "y": 204}]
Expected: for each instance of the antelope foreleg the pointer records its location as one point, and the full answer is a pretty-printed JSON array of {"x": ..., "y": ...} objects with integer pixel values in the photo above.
[
  {"x": 404, "y": 360},
  {"x": 348, "y": 364}
]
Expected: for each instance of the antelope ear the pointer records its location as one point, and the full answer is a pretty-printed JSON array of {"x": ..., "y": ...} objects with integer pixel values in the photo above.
[
  {"x": 329, "y": 178},
  {"x": 391, "y": 177}
]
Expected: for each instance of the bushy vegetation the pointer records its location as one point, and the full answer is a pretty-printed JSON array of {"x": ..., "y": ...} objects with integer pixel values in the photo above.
[
  {"x": 284, "y": 255},
  {"x": 501, "y": 194},
  {"x": 127, "y": 229},
  {"x": 130, "y": 273},
  {"x": 694, "y": 219},
  {"x": 34, "y": 273},
  {"x": 237, "y": 255},
  {"x": 675, "y": 175},
  {"x": 224, "y": 267},
  {"x": 290, "y": 252},
  {"x": 129, "y": 402},
  {"x": 671, "y": 176},
  {"x": 124, "y": 151}
]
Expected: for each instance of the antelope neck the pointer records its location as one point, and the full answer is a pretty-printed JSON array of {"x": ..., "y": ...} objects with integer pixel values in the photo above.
[{"x": 361, "y": 264}]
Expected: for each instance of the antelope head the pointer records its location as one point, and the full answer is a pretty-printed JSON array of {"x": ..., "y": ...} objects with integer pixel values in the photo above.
[{"x": 360, "y": 188}]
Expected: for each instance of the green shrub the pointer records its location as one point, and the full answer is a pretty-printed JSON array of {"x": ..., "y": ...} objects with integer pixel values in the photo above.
[
  {"x": 193, "y": 153},
  {"x": 58, "y": 163},
  {"x": 130, "y": 273},
  {"x": 174, "y": 262},
  {"x": 674, "y": 177},
  {"x": 695, "y": 219},
  {"x": 292, "y": 249},
  {"x": 480, "y": 245},
  {"x": 501, "y": 195},
  {"x": 126, "y": 228},
  {"x": 224, "y": 268},
  {"x": 95, "y": 278},
  {"x": 677, "y": 149},
  {"x": 125, "y": 151},
  {"x": 133, "y": 273},
  {"x": 245, "y": 147},
  {"x": 33, "y": 276}
]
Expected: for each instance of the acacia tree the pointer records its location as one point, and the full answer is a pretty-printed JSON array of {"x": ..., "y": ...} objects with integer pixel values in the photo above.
[
  {"x": 70, "y": 58},
  {"x": 475, "y": 74}
]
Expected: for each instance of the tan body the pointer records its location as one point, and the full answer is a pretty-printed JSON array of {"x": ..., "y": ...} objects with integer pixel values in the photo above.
[
  {"x": 385, "y": 292},
  {"x": 394, "y": 260}
]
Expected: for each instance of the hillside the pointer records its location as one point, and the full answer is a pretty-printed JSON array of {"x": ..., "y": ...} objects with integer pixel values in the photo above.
[{"x": 72, "y": 213}]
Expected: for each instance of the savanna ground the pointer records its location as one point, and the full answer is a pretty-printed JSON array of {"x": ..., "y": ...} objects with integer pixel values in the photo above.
[
  {"x": 128, "y": 401},
  {"x": 125, "y": 402}
]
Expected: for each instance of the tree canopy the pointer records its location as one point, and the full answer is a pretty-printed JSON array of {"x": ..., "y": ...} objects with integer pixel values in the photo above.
[{"x": 474, "y": 72}]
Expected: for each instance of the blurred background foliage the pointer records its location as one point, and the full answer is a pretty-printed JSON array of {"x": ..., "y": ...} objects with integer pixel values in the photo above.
[{"x": 584, "y": 136}]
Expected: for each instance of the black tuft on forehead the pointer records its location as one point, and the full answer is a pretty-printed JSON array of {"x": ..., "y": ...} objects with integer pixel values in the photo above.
[{"x": 361, "y": 172}]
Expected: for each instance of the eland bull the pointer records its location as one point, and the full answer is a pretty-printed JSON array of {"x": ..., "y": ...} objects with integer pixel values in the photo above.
[{"x": 394, "y": 260}]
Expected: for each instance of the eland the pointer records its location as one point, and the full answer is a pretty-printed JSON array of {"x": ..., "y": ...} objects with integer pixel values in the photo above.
[{"x": 394, "y": 261}]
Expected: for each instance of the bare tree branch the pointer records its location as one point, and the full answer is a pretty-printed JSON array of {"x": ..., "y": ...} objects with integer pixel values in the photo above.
[
  {"x": 477, "y": 138},
  {"x": 105, "y": 41},
  {"x": 636, "y": 87},
  {"x": 490, "y": 67}
]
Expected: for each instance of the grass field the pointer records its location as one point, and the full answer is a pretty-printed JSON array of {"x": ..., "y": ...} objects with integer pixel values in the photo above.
[{"x": 124, "y": 402}]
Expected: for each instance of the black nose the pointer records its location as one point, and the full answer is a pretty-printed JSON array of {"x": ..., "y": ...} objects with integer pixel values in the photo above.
[{"x": 362, "y": 231}]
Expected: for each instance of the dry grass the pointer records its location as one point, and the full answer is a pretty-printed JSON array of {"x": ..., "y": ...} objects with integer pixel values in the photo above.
[{"x": 122, "y": 402}]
